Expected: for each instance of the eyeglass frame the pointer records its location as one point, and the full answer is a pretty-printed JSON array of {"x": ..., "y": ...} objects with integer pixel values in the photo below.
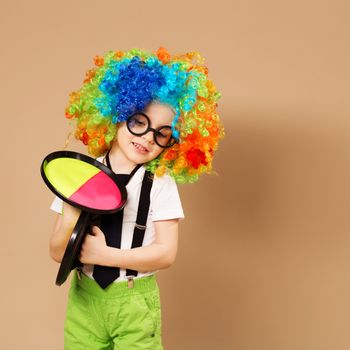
[{"x": 151, "y": 129}]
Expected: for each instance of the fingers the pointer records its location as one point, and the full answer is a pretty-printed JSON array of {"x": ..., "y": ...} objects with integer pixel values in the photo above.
[
  {"x": 86, "y": 246},
  {"x": 91, "y": 246}
]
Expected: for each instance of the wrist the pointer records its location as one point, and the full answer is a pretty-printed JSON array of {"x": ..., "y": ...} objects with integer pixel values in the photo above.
[{"x": 110, "y": 256}]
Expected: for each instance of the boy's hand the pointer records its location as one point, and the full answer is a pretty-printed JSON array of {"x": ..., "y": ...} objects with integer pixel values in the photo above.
[{"x": 94, "y": 248}]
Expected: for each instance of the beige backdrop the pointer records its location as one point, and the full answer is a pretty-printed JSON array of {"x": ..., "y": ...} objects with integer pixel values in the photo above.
[{"x": 264, "y": 254}]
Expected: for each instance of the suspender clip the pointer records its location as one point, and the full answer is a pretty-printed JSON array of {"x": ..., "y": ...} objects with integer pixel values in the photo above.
[
  {"x": 130, "y": 281},
  {"x": 141, "y": 227},
  {"x": 79, "y": 273}
]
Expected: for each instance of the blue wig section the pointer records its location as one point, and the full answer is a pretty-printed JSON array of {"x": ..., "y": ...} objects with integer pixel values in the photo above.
[{"x": 130, "y": 84}]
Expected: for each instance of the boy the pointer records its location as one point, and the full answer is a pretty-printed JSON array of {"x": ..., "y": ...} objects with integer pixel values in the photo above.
[{"x": 135, "y": 108}]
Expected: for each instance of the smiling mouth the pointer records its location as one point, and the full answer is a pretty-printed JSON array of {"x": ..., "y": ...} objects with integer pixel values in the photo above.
[{"x": 140, "y": 148}]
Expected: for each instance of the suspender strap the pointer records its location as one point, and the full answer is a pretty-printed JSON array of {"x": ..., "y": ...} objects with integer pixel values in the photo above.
[{"x": 142, "y": 214}]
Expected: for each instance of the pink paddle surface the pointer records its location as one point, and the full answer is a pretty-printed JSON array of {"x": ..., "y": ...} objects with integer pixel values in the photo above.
[{"x": 99, "y": 192}]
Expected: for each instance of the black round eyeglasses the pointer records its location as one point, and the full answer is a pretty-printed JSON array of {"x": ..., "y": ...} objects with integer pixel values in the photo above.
[{"x": 139, "y": 124}]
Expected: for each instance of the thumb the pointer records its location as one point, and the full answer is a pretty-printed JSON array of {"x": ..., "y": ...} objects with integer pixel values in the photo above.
[{"x": 97, "y": 231}]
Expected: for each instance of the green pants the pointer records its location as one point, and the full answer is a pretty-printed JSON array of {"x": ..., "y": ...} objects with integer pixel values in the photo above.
[{"x": 115, "y": 318}]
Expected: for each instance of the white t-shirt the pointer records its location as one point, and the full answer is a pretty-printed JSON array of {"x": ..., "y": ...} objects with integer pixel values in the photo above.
[{"x": 165, "y": 204}]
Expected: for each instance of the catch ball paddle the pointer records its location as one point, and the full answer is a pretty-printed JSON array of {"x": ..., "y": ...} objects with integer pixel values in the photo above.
[{"x": 84, "y": 183}]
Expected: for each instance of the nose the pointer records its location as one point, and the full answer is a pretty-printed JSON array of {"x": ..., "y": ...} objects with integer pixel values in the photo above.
[{"x": 149, "y": 137}]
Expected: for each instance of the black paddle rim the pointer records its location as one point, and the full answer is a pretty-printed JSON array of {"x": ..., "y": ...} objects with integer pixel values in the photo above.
[{"x": 89, "y": 160}]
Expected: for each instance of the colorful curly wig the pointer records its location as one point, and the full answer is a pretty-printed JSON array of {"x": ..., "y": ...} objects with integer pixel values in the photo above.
[{"x": 124, "y": 82}]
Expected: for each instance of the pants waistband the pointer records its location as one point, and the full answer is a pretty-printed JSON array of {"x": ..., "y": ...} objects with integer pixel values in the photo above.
[{"x": 139, "y": 285}]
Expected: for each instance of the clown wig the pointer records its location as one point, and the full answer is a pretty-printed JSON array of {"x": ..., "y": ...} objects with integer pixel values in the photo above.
[{"x": 124, "y": 82}]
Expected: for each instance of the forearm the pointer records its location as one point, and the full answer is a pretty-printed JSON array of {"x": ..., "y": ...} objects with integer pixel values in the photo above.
[
  {"x": 143, "y": 259},
  {"x": 58, "y": 242},
  {"x": 159, "y": 255},
  {"x": 62, "y": 231}
]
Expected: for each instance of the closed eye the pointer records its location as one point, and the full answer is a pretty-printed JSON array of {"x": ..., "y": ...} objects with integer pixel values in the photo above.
[
  {"x": 138, "y": 122},
  {"x": 161, "y": 135}
]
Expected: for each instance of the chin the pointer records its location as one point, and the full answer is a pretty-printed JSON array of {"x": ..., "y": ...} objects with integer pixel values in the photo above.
[
  {"x": 143, "y": 158},
  {"x": 139, "y": 159}
]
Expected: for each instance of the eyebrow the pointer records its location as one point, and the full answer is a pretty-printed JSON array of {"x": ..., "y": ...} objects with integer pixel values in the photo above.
[{"x": 150, "y": 119}]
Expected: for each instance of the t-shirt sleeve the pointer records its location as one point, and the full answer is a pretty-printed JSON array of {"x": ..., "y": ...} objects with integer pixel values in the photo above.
[
  {"x": 165, "y": 200},
  {"x": 57, "y": 205}
]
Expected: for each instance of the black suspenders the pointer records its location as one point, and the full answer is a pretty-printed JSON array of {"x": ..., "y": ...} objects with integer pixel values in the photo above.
[
  {"x": 142, "y": 214},
  {"x": 112, "y": 227},
  {"x": 142, "y": 211}
]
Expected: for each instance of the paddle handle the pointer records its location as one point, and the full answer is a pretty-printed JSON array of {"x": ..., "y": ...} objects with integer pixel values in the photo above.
[{"x": 70, "y": 258}]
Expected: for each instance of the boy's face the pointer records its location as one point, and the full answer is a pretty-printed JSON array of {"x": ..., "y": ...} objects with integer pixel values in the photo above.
[{"x": 142, "y": 149}]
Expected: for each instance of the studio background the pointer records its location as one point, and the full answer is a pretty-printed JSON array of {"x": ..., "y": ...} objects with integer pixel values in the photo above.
[{"x": 264, "y": 251}]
